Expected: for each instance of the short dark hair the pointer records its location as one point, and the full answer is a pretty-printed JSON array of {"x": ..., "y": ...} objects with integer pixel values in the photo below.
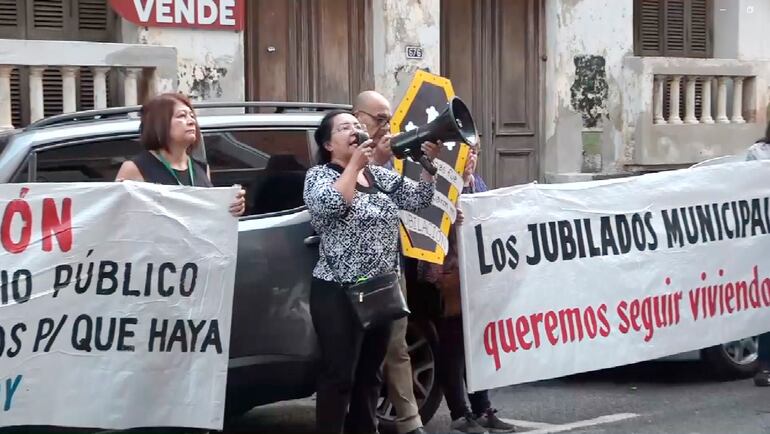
[
  {"x": 156, "y": 115},
  {"x": 324, "y": 133}
]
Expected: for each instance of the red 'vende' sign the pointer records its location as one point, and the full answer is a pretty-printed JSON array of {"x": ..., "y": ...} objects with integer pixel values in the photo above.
[{"x": 201, "y": 14}]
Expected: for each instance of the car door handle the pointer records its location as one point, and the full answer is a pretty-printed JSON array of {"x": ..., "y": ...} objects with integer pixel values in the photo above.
[{"x": 313, "y": 240}]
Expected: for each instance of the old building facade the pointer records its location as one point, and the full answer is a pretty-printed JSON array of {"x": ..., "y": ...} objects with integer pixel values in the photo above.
[{"x": 561, "y": 90}]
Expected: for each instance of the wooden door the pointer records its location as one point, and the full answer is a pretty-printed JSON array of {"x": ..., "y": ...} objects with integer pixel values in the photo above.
[
  {"x": 270, "y": 48},
  {"x": 490, "y": 49},
  {"x": 308, "y": 50}
]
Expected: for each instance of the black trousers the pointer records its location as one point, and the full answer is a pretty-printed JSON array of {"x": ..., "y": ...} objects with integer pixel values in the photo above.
[
  {"x": 351, "y": 359},
  {"x": 451, "y": 370}
]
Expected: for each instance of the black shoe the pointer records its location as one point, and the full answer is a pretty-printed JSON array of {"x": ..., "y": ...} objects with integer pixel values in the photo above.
[
  {"x": 467, "y": 425},
  {"x": 762, "y": 378},
  {"x": 490, "y": 421},
  {"x": 419, "y": 430}
]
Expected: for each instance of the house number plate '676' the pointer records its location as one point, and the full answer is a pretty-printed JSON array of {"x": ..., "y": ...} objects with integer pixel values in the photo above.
[{"x": 413, "y": 52}]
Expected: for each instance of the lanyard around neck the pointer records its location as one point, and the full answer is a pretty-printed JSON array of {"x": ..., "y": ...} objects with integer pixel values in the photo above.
[{"x": 173, "y": 173}]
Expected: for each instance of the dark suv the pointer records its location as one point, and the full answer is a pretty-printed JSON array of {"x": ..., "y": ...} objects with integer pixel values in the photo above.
[{"x": 266, "y": 147}]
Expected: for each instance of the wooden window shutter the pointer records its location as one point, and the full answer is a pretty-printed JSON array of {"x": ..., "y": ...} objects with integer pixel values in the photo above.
[
  {"x": 48, "y": 19},
  {"x": 700, "y": 29},
  {"x": 17, "y": 114},
  {"x": 674, "y": 35},
  {"x": 85, "y": 89},
  {"x": 94, "y": 19},
  {"x": 648, "y": 31},
  {"x": 52, "y": 92},
  {"x": 673, "y": 28},
  {"x": 12, "y": 19},
  {"x": 77, "y": 20}
]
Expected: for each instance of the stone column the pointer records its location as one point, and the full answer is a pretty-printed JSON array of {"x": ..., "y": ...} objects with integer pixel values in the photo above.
[
  {"x": 673, "y": 117},
  {"x": 130, "y": 87},
  {"x": 689, "y": 107},
  {"x": 658, "y": 88},
  {"x": 100, "y": 87},
  {"x": 705, "y": 102},
  {"x": 722, "y": 101},
  {"x": 36, "y": 100},
  {"x": 69, "y": 88},
  {"x": 738, "y": 101}
]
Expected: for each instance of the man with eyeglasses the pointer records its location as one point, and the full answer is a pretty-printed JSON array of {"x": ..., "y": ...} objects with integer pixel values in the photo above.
[{"x": 373, "y": 111}]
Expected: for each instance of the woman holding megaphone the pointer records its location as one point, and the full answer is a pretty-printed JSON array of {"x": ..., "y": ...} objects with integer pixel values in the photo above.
[{"x": 358, "y": 226}]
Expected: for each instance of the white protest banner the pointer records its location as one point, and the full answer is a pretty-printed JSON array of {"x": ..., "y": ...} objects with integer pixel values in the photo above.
[
  {"x": 567, "y": 278},
  {"x": 115, "y": 304}
]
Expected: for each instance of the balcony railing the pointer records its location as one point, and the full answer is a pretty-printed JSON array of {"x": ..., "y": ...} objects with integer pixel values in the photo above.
[
  {"x": 143, "y": 70},
  {"x": 681, "y": 111},
  {"x": 700, "y": 99}
]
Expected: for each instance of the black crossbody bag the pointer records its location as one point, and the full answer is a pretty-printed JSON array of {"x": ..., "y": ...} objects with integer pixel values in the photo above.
[{"x": 376, "y": 300}]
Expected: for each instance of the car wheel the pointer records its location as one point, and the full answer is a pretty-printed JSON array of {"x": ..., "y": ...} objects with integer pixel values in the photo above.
[
  {"x": 422, "y": 341},
  {"x": 733, "y": 359}
]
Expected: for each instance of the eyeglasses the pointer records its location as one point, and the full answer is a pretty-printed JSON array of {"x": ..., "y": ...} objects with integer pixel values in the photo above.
[
  {"x": 348, "y": 127},
  {"x": 382, "y": 120}
]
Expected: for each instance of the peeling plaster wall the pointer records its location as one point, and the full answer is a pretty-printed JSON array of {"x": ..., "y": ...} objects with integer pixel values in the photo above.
[
  {"x": 754, "y": 16},
  {"x": 663, "y": 145},
  {"x": 750, "y": 18},
  {"x": 209, "y": 62},
  {"x": 725, "y": 23},
  {"x": 396, "y": 25},
  {"x": 586, "y": 41},
  {"x": 598, "y": 103}
]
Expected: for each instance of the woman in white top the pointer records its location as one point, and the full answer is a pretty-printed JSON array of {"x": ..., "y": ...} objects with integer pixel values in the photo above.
[{"x": 761, "y": 149}]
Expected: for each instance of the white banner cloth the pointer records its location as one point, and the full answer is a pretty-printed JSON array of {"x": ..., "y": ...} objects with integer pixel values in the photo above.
[
  {"x": 566, "y": 278},
  {"x": 115, "y": 304}
]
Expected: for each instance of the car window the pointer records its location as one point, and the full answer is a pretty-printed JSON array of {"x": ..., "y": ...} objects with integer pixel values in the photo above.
[
  {"x": 269, "y": 164},
  {"x": 22, "y": 173},
  {"x": 97, "y": 161}
]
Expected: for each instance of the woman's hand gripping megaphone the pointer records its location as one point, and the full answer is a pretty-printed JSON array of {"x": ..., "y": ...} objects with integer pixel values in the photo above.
[{"x": 362, "y": 152}]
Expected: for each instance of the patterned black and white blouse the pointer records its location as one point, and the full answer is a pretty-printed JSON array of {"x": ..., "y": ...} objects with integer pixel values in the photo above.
[{"x": 361, "y": 239}]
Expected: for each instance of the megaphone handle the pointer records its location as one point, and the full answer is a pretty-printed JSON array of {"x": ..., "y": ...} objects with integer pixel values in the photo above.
[{"x": 428, "y": 165}]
